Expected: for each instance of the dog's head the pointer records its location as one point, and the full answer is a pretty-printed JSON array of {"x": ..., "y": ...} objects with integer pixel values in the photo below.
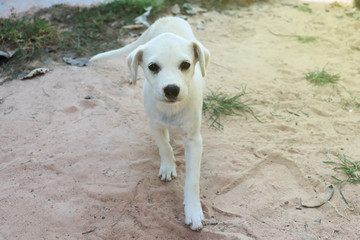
[{"x": 169, "y": 64}]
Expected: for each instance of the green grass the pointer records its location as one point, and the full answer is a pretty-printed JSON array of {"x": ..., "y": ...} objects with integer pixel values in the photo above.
[
  {"x": 321, "y": 77},
  {"x": 77, "y": 31},
  {"x": 223, "y": 4},
  {"x": 353, "y": 12},
  {"x": 30, "y": 33},
  {"x": 26, "y": 35},
  {"x": 87, "y": 29},
  {"x": 304, "y": 9},
  {"x": 305, "y": 39},
  {"x": 350, "y": 173},
  {"x": 217, "y": 104},
  {"x": 301, "y": 38},
  {"x": 352, "y": 102}
]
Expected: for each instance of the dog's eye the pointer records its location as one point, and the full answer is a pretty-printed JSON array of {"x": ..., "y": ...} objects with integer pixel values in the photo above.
[
  {"x": 184, "y": 66},
  {"x": 154, "y": 67}
]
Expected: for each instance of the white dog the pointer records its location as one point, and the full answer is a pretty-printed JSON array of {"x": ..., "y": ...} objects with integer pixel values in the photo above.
[{"x": 174, "y": 65}]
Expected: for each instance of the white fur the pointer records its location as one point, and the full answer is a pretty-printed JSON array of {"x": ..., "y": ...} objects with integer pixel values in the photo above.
[{"x": 169, "y": 42}]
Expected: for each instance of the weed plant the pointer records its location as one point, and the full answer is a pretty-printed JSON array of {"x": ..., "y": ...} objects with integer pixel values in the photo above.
[
  {"x": 350, "y": 170},
  {"x": 353, "y": 101},
  {"x": 217, "y": 104},
  {"x": 224, "y": 4},
  {"x": 306, "y": 39},
  {"x": 321, "y": 77},
  {"x": 304, "y": 9}
]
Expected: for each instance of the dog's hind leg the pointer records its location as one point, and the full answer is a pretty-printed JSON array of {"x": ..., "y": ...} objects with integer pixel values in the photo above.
[{"x": 168, "y": 167}]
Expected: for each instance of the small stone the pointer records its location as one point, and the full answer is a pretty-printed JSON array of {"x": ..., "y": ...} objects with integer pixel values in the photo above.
[
  {"x": 189, "y": 9},
  {"x": 200, "y": 26},
  {"x": 88, "y": 97},
  {"x": 176, "y": 9},
  {"x": 191, "y": 12},
  {"x": 317, "y": 221}
]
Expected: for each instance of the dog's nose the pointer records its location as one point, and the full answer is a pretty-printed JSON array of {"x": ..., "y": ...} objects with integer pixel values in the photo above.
[{"x": 171, "y": 91}]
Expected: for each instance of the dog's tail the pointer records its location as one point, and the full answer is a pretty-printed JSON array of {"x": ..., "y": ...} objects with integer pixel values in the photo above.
[{"x": 117, "y": 52}]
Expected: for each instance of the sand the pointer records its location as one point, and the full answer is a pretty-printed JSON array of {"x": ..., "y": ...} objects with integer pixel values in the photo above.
[{"x": 75, "y": 168}]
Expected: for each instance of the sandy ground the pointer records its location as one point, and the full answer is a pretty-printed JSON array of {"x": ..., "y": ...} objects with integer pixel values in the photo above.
[{"x": 72, "y": 168}]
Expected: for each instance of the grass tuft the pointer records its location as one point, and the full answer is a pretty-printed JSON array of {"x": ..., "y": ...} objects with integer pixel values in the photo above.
[
  {"x": 349, "y": 168},
  {"x": 217, "y": 104},
  {"x": 321, "y": 77},
  {"x": 353, "y": 101},
  {"x": 306, "y": 39},
  {"x": 304, "y": 9}
]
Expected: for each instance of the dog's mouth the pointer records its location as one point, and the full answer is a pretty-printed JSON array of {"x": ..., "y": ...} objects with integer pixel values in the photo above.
[{"x": 171, "y": 100}]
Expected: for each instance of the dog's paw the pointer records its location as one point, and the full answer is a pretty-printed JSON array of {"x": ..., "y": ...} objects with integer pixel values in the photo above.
[
  {"x": 167, "y": 173},
  {"x": 194, "y": 216}
]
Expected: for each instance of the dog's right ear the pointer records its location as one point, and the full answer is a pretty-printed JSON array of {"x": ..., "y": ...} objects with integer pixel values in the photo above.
[{"x": 133, "y": 61}]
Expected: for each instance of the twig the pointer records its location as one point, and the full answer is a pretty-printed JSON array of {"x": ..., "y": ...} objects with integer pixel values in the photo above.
[
  {"x": 81, "y": 119},
  {"x": 210, "y": 222},
  {"x": 260, "y": 220},
  {"x": 3, "y": 99},
  {"x": 228, "y": 214},
  {"x": 45, "y": 92},
  {"x": 92, "y": 229},
  {"x": 338, "y": 211},
  {"x": 222, "y": 66},
  {"x": 299, "y": 37}
]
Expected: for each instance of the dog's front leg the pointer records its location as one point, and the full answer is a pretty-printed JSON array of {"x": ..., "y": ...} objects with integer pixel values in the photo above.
[
  {"x": 193, "y": 211},
  {"x": 168, "y": 166}
]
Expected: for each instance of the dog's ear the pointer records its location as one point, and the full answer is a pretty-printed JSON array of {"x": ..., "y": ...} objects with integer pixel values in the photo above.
[
  {"x": 202, "y": 55},
  {"x": 133, "y": 61}
]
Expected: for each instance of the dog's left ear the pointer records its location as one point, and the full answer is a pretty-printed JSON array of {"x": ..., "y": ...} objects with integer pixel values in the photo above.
[
  {"x": 202, "y": 55},
  {"x": 133, "y": 61}
]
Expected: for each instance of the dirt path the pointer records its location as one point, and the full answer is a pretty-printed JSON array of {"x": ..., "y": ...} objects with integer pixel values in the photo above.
[{"x": 75, "y": 168}]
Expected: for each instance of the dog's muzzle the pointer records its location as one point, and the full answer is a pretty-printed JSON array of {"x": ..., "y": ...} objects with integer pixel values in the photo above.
[{"x": 171, "y": 92}]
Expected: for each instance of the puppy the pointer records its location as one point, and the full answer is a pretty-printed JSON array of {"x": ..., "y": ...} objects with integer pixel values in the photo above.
[{"x": 174, "y": 65}]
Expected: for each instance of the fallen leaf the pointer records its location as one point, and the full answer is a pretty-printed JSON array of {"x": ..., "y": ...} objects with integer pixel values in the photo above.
[
  {"x": 132, "y": 27},
  {"x": 34, "y": 73},
  {"x": 319, "y": 199},
  {"x": 142, "y": 19},
  {"x": 176, "y": 9},
  {"x": 4, "y": 56},
  {"x": 80, "y": 62}
]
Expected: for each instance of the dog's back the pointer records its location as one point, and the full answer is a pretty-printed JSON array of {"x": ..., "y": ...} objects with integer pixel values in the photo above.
[{"x": 174, "y": 25}]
